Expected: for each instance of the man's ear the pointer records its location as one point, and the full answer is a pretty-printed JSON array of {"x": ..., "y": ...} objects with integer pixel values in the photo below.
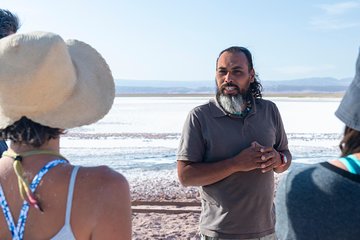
[{"x": 252, "y": 75}]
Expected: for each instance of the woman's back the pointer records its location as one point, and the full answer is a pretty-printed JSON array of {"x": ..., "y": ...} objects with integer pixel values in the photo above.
[
  {"x": 100, "y": 198},
  {"x": 318, "y": 202}
]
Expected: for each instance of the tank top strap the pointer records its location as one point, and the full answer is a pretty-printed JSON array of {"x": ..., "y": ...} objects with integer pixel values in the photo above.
[
  {"x": 17, "y": 231},
  {"x": 70, "y": 194},
  {"x": 7, "y": 214},
  {"x": 351, "y": 163}
]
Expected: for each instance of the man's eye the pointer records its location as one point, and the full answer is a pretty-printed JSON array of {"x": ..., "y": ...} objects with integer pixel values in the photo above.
[{"x": 222, "y": 72}]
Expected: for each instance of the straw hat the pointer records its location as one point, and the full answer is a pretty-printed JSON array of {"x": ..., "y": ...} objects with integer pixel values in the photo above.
[
  {"x": 349, "y": 109},
  {"x": 52, "y": 82}
]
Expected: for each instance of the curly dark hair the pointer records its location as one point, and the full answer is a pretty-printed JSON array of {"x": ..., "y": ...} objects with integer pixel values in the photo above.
[
  {"x": 26, "y": 131},
  {"x": 255, "y": 87},
  {"x": 9, "y": 23},
  {"x": 351, "y": 142}
]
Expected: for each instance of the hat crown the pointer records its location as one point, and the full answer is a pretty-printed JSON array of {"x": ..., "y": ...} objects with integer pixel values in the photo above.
[{"x": 37, "y": 72}]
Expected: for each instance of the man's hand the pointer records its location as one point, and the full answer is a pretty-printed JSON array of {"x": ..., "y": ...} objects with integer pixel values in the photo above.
[
  {"x": 248, "y": 159},
  {"x": 269, "y": 159},
  {"x": 257, "y": 156}
]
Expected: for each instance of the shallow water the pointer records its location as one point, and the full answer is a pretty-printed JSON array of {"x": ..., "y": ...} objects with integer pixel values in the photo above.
[{"x": 140, "y": 134}]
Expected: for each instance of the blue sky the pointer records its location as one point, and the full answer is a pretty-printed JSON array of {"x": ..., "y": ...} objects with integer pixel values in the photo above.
[{"x": 179, "y": 40}]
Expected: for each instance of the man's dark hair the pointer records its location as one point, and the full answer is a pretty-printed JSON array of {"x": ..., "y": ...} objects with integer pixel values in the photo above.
[
  {"x": 26, "y": 131},
  {"x": 255, "y": 87},
  {"x": 9, "y": 23},
  {"x": 350, "y": 143}
]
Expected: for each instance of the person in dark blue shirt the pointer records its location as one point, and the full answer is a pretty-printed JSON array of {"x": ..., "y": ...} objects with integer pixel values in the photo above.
[
  {"x": 9, "y": 24},
  {"x": 321, "y": 201}
]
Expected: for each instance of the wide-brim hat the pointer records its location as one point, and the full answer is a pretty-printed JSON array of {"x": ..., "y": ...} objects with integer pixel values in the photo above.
[
  {"x": 57, "y": 83},
  {"x": 349, "y": 108}
]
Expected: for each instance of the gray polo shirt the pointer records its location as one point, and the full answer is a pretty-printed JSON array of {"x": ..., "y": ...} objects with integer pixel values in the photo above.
[{"x": 241, "y": 205}]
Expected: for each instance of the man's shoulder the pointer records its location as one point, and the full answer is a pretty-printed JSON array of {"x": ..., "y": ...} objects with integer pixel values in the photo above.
[
  {"x": 205, "y": 107},
  {"x": 265, "y": 105},
  {"x": 265, "y": 102},
  {"x": 209, "y": 109}
]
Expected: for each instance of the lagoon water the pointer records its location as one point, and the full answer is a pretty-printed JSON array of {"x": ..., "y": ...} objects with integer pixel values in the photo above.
[{"x": 140, "y": 135}]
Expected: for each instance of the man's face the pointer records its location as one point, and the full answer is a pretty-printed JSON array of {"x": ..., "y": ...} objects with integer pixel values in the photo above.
[{"x": 232, "y": 74}]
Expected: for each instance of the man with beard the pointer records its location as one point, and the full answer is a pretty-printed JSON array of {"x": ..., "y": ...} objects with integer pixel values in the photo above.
[
  {"x": 9, "y": 24},
  {"x": 230, "y": 147}
]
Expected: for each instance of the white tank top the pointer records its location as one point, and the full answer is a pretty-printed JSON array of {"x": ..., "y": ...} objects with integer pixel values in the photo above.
[{"x": 65, "y": 232}]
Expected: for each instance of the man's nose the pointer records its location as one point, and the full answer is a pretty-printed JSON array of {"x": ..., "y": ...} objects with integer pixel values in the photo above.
[{"x": 228, "y": 78}]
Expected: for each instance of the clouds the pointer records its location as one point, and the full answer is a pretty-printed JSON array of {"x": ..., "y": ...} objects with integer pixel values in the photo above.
[
  {"x": 339, "y": 8},
  {"x": 337, "y": 16}
]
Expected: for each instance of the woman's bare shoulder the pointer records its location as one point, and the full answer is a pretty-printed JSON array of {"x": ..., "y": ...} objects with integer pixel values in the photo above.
[
  {"x": 102, "y": 176},
  {"x": 110, "y": 202},
  {"x": 102, "y": 189}
]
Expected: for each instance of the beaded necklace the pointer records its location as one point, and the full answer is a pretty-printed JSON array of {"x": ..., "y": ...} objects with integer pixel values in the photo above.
[{"x": 246, "y": 111}]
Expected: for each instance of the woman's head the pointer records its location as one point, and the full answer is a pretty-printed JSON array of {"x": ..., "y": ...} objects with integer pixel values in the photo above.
[
  {"x": 350, "y": 143},
  {"x": 9, "y": 23},
  {"x": 47, "y": 85},
  {"x": 27, "y": 132},
  {"x": 349, "y": 113}
]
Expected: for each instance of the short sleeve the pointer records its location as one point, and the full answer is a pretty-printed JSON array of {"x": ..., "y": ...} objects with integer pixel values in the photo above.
[
  {"x": 281, "y": 142},
  {"x": 192, "y": 145}
]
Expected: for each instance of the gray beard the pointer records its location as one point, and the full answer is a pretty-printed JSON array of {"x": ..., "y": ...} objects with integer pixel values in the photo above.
[{"x": 231, "y": 104}]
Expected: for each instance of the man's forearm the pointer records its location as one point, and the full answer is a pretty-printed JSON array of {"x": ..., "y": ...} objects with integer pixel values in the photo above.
[
  {"x": 202, "y": 174},
  {"x": 283, "y": 168}
]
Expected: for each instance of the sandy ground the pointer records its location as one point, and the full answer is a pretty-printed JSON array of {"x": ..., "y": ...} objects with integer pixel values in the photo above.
[
  {"x": 165, "y": 226},
  {"x": 168, "y": 211}
]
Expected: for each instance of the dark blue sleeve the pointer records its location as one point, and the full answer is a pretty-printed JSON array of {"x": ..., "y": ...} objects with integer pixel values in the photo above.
[{"x": 3, "y": 146}]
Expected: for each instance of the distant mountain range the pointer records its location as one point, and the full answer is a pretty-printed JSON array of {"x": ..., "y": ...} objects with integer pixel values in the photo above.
[{"x": 310, "y": 85}]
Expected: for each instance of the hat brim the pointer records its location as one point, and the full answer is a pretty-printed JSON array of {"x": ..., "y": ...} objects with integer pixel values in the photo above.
[{"x": 349, "y": 109}]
